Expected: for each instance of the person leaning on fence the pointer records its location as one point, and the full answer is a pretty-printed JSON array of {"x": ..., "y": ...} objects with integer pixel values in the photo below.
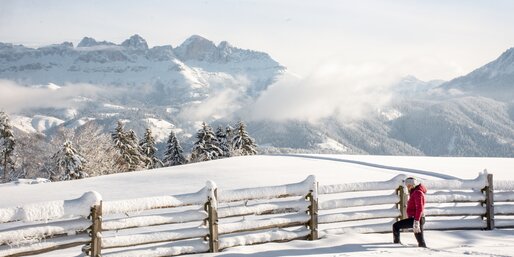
[{"x": 415, "y": 209}]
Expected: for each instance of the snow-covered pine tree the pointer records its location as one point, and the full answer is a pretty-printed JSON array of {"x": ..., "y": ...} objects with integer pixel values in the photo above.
[
  {"x": 118, "y": 139},
  {"x": 174, "y": 153},
  {"x": 148, "y": 150},
  {"x": 7, "y": 143},
  {"x": 126, "y": 143},
  {"x": 223, "y": 142},
  {"x": 229, "y": 131},
  {"x": 206, "y": 147},
  {"x": 138, "y": 160},
  {"x": 118, "y": 135},
  {"x": 242, "y": 143},
  {"x": 69, "y": 164}
]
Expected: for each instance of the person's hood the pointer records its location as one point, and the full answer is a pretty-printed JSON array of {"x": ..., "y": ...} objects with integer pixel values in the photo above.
[{"x": 421, "y": 188}]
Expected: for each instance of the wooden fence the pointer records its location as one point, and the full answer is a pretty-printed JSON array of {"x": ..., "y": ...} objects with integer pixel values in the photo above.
[
  {"x": 451, "y": 204},
  {"x": 48, "y": 226},
  {"x": 211, "y": 220},
  {"x": 214, "y": 220}
]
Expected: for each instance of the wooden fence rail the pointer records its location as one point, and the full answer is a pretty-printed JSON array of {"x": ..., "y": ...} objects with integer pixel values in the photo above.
[
  {"x": 211, "y": 220},
  {"x": 54, "y": 225}
]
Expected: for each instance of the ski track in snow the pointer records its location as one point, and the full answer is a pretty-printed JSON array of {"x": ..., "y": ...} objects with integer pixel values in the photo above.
[{"x": 380, "y": 166}]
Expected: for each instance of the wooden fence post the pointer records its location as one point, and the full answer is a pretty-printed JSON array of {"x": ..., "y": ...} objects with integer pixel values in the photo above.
[
  {"x": 212, "y": 211},
  {"x": 402, "y": 205},
  {"x": 96, "y": 229},
  {"x": 489, "y": 202},
  {"x": 313, "y": 211}
]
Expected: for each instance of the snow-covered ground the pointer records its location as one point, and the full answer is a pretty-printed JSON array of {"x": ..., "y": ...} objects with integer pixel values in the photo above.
[
  {"x": 255, "y": 171},
  {"x": 441, "y": 243}
]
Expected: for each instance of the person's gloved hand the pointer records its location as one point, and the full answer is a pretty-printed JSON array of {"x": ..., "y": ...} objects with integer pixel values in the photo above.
[{"x": 416, "y": 227}]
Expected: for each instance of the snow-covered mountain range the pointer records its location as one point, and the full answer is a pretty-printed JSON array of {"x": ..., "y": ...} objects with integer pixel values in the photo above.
[
  {"x": 185, "y": 73},
  {"x": 165, "y": 88}
]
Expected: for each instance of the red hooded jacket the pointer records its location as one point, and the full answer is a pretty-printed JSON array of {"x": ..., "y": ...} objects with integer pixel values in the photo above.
[{"x": 416, "y": 204}]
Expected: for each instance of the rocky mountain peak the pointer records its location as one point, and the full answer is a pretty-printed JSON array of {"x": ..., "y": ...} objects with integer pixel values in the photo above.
[
  {"x": 89, "y": 42},
  {"x": 86, "y": 42},
  {"x": 197, "y": 40},
  {"x": 224, "y": 45},
  {"x": 135, "y": 42},
  {"x": 197, "y": 48},
  {"x": 494, "y": 80},
  {"x": 504, "y": 63}
]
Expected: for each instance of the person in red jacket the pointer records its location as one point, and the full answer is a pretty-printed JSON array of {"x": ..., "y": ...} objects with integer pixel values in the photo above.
[{"x": 415, "y": 208}]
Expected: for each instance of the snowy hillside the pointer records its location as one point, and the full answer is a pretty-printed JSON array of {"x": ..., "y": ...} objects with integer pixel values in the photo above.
[
  {"x": 252, "y": 171},
  {"x": 255, "y": 171}
]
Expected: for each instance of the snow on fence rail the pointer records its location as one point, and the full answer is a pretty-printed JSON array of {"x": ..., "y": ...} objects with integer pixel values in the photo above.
[
  {"x": 213, "y": 219},
  {"x": 503, "y": 209},
  {"x": 54, "y": 225},
  {"x": 391, "y": 184},
  {"x": 156, "y": 202},
  {"x": 282, "y": 191},
  {"x": 51, "y": 210}
]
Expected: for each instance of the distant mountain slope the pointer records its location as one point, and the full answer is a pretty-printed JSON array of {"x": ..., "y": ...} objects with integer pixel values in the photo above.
[
  {"x": 495, "y": 79},
  {"x": 467, "y": 126}
]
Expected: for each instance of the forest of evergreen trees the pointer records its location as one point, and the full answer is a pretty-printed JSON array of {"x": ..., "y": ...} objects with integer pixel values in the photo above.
[{"x": 87, "y": 151}]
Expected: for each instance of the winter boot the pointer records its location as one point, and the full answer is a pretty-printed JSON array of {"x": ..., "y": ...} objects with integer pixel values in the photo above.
[
  {"x": 396, "y": 240},
  {"x": 420, "y": 239}
]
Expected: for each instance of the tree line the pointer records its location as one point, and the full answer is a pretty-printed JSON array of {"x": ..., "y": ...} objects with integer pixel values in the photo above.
[{"x": 87, "y": 151}]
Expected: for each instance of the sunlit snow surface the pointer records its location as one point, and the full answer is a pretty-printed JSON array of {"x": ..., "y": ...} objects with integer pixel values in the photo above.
[{"x": 255, "y": 171}]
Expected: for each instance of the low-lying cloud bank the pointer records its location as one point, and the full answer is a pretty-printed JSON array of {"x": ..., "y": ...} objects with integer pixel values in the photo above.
[
  {"x": 334, "y": 90},
  {"x": 15, "y": 97}
]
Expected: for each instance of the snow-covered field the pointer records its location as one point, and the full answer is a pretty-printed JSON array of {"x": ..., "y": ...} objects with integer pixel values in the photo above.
[{"x": 255, "y": 171}]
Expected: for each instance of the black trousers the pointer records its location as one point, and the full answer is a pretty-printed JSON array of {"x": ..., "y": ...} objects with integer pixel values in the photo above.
[{"x": 409, "y": 223}]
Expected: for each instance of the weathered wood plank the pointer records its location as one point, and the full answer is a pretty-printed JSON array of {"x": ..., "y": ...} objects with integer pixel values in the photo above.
[{"x": 96, "y": 229}]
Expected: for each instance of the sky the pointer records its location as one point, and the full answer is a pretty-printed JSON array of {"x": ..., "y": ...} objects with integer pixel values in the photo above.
[{"x": 428, "y": 39}]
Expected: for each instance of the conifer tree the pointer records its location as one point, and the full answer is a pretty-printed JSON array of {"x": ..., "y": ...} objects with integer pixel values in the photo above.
[
  {"x": 118, "y": 135},
  {"x": 68, "y": 163},
  {"x": 229, "y": 132},
  {"x": 242, "y": 143},
  {"x": 174, "y": 153},
  {"x": 206, "y": 147},
  {"x": 223, "y": 142},
  {"x": 126, "y": 143},
  {"x": 7, "y": 143},
  {"x": 134, "y": 150},
  {"x": 148, "y": 150}
]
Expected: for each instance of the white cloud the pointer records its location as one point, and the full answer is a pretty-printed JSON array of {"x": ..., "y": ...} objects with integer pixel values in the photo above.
[
  {"x": 333, "y": 90},
  {"x": 15, "y": 97},
  {"x": 225, "y": 99},
  {"x": 216, "y": 106}
]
